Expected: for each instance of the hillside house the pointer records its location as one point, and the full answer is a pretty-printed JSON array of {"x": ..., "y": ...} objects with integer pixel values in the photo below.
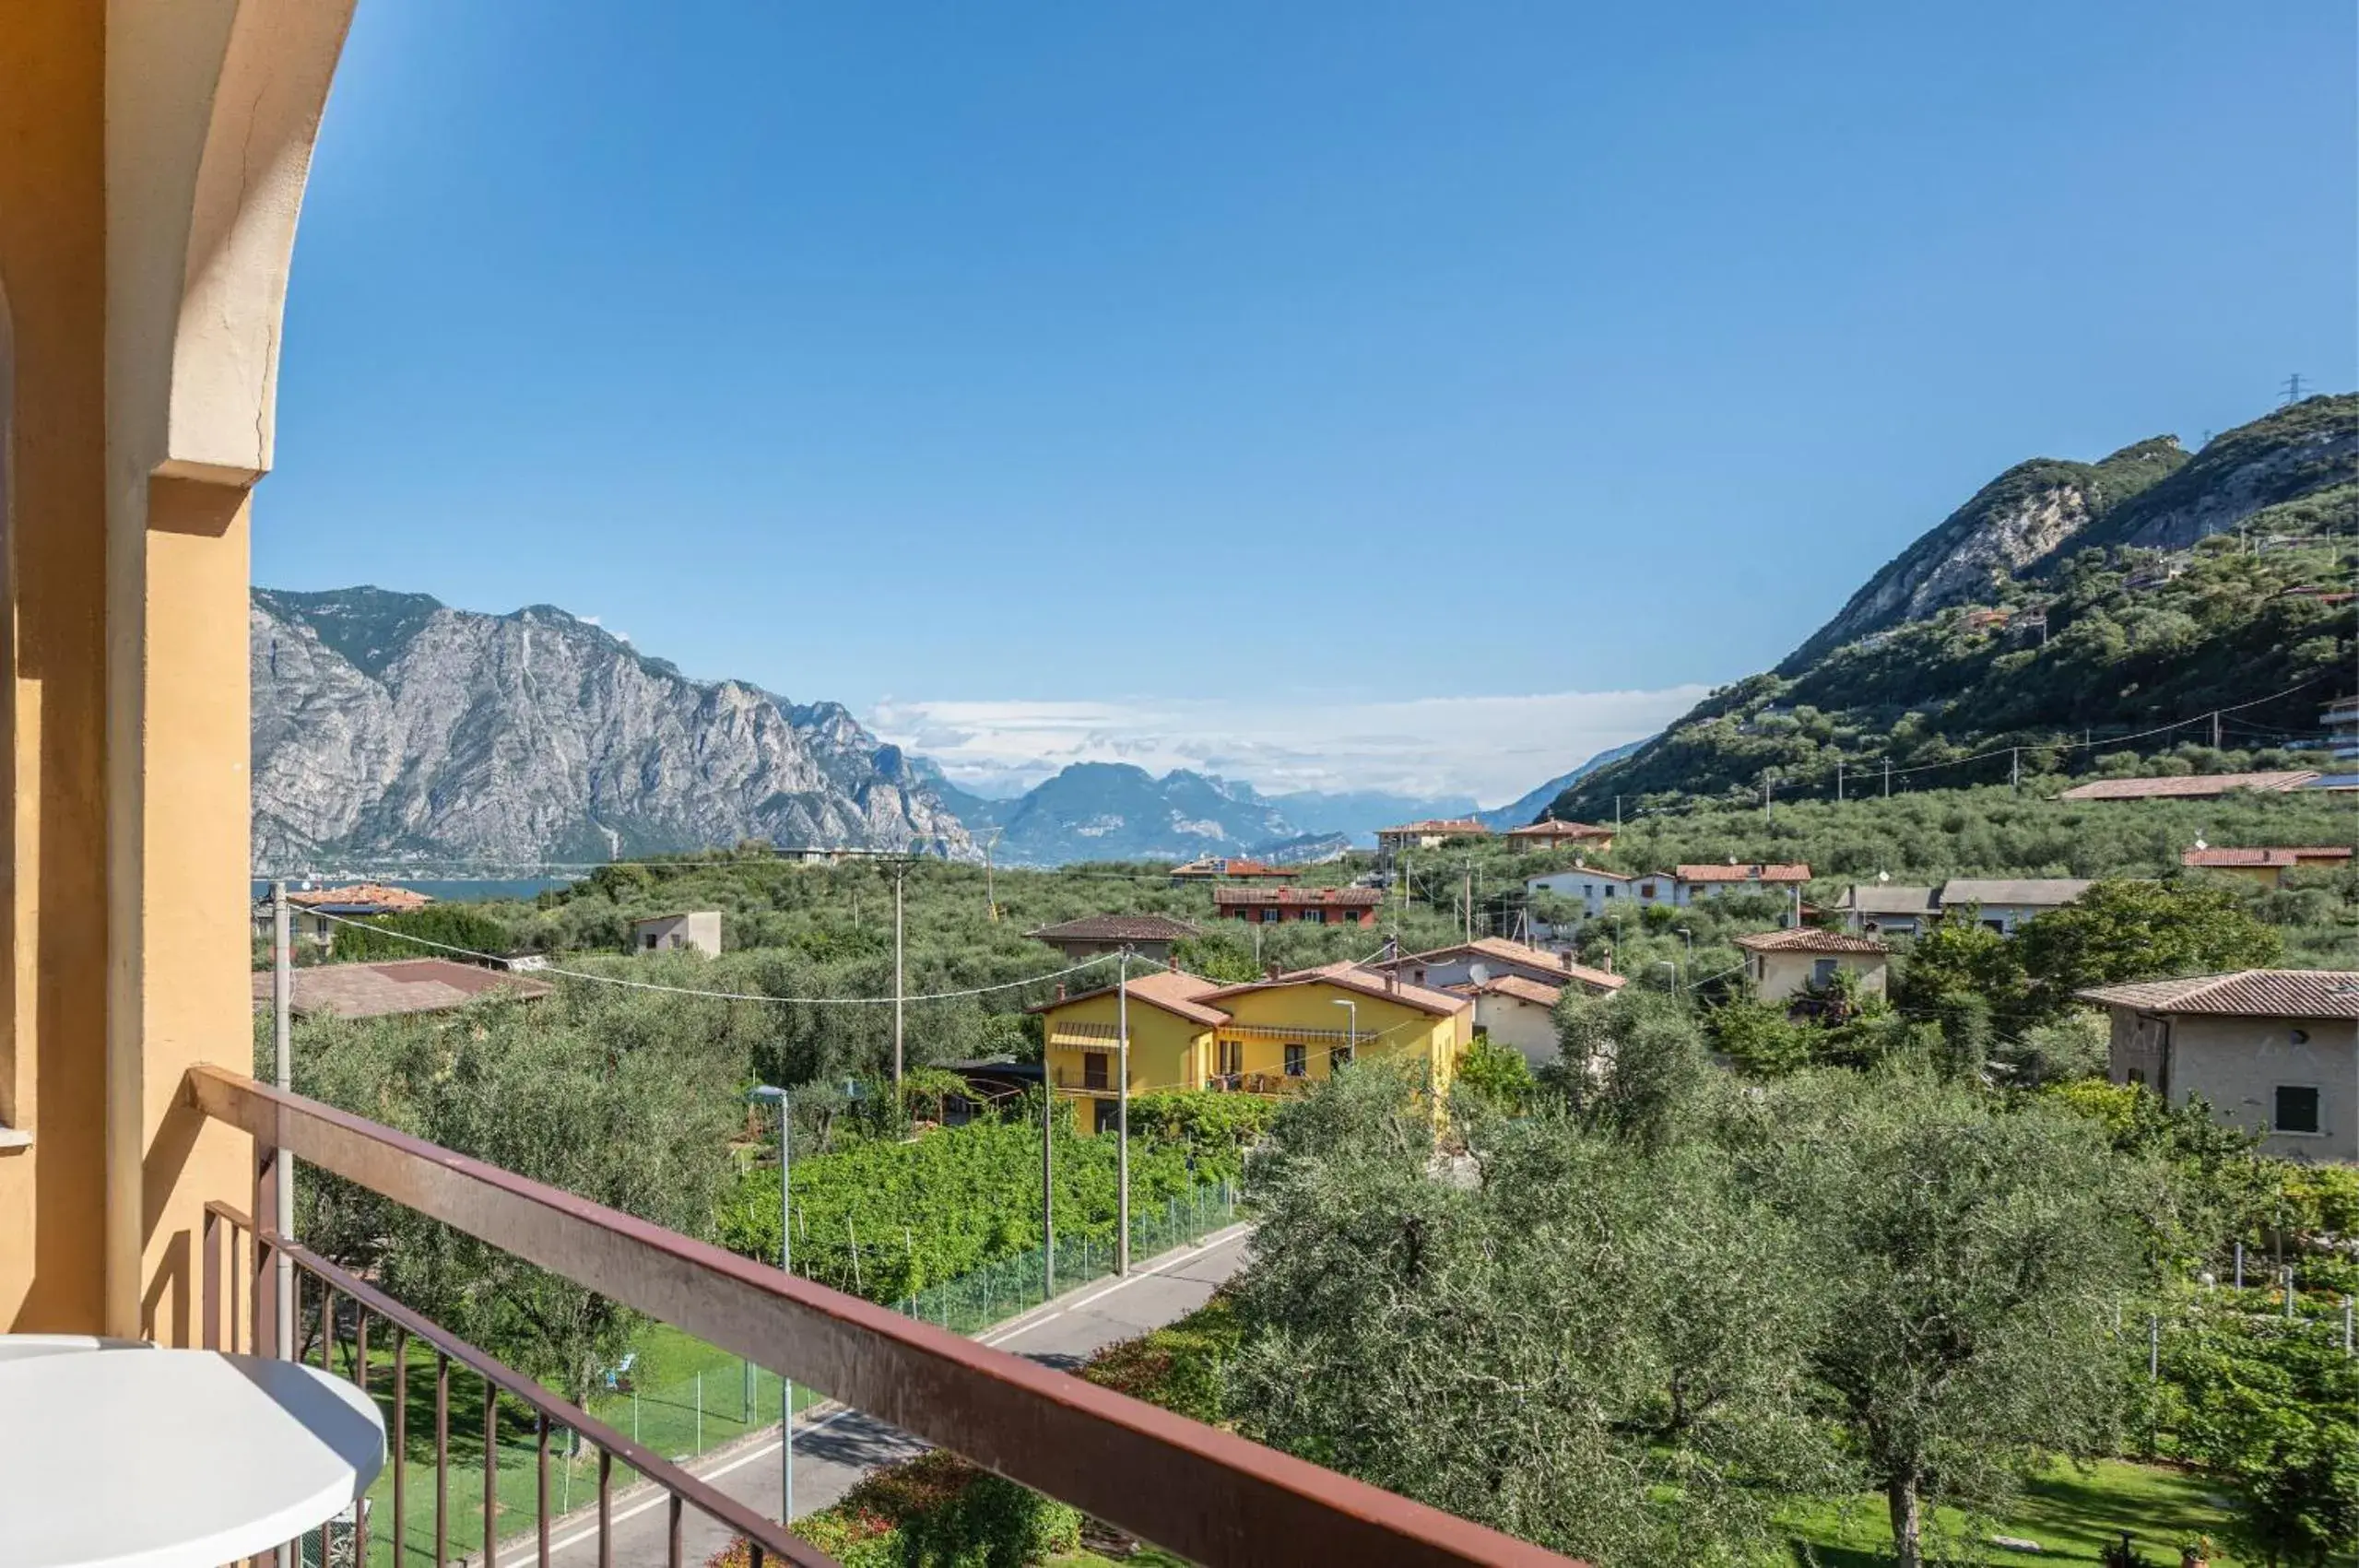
[
  {"x": 1315, "y": 906},
  {"x": 1595, "y": 888},
  {"x": 2274, "y": 1051},
  {"x": 1693, "y": 882},
  {"x": 2004, "y": 903},
  {"x": 401, "y": 986},
  {"x": 1486, "y": 957},
  {"x": 700, "y": 929},
  {"x": 1217, "y": 869},
  {"x": 1787, "y": 965},
  {"x": 2266, "y": 866},
  {"x": 1268, "y": 1036},
  {"x": 1553, "y": 834},
  {"x": 1513, "y": 1010},
  {"x": 2191, "y": 787},
  {"x": 1151, "y": 937},
  {"x": 1891, "y": 909},
  {"x": 1431, "y": 833}
]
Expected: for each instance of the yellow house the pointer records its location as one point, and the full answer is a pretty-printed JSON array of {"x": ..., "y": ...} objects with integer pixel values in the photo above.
[{"x": 1271, "y": 1036}]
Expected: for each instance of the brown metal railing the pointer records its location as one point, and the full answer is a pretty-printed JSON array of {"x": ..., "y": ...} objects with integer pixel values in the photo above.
[
  {"x": 1207, "y": 1494},
  {"x": 232, "y": 1234}
]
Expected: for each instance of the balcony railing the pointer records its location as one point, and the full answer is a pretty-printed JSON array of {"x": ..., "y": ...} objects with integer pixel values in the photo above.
[{"x": 1209, "y": 1495}]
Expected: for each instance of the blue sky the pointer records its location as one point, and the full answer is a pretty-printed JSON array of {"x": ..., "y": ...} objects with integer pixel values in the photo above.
[{"x": 1251, "y": 387}]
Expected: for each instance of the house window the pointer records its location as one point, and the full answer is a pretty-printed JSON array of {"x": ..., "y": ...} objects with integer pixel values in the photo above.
[
  {"x": 651, "y": 942},
  {"x": 1823, "y": 972},
  {"x": 1109, "y": 1115},
  {"x": 1298, "y": 1063},
  {"x": 1093, "y": 1070},
  {"x": 1232, "y": 1056},
  {"x": 1647, "y": 889},
  {"x": 1609, "y": 892},
  {"x": 1272, "y": 915},
  {"x": 1337, "y": 1056},
  {"x": 1316, "y": 917},
  {"x": 2297, "y": 1109}
]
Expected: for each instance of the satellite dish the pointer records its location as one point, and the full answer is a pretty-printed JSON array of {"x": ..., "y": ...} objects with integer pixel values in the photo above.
[
  {"x": 1478, "y": 972},
  {"x": 2200, "y": 843},
  {"x": 1883, "y": 876}
]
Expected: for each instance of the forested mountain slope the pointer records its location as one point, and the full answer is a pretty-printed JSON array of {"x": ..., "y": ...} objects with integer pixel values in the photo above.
[{"x": 2110, "y": 627}]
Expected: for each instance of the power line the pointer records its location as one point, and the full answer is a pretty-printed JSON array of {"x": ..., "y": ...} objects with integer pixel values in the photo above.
[{"x": 717, "y": 996}]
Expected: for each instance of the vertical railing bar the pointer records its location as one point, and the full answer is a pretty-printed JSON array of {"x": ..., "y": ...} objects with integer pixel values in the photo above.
[
  {"x": 360, "y": 1379},
  {"x": 491, "y": 1475},
  {"x": 672, "y": 1547},
  {"x": 401, "y": 1443},
  {"x": 540, "y": 1508},
  {"x": 212, "y": 1234},
  {"x": 606, "y": 1511},
  {"x": 234, "y": 1272},
  {"x": 442, "y": 1459}
]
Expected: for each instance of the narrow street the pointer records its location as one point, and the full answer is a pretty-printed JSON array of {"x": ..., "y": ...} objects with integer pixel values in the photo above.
[{"x": 835, "y": 1449}]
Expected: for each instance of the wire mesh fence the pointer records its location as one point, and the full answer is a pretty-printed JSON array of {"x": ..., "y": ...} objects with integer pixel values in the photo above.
[{"x": 684, "y": 1398}]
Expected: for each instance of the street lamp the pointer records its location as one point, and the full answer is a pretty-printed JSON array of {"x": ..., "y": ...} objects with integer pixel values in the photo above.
[
  {"x": 1354, "y": 1008},
  {"x": 786, "y": 1265}
]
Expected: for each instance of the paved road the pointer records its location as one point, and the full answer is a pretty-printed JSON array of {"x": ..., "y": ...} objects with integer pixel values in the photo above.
[{"x": 835, "y": 1450}]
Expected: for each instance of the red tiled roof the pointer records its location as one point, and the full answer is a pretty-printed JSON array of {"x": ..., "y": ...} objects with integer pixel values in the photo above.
[
  {"x": 1215, "y": 867},
  {"x": 1175, "y": 991},
  {"x": 1523, "y": 990},
  {"x": 1320, "y": 898},
  {"x": 1754, "y": 873},
  {"x": 401, "y": 986},
  {"x": 1352, "y": 977},
  {"x": 2252, "y": 993},
  {"x": 1810, "y": 939},
  {"x": 2187, "y": 786},
  {"x": 1116, "y": 928},
  {"x": 395, "y": 901},
  {"x": 1500, "y": 947},
  {"x": 2278, "y": 855}
]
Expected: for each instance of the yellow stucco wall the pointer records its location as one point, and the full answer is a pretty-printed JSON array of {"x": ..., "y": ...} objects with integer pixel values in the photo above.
[
  {"x": 152, "y": 160},
  {"x": 1166, "y": 1051},
  {"x": 52, "y": 354},
  {"x": 1309, "y": 1009}
]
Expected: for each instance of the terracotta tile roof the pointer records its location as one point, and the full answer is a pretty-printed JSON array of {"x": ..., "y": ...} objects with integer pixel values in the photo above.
[
  {"x": 1451, "y": 825},
  {"x": 1215, "y": 867},
  {"x": 402, "y": 985},
  {"x": 2051, "y": 892},
  {"x": 1367, "y": 982},
  {"x": 1810, "y": 939},
  {"x": 1754, "y": 873},
  {"x": 2252, "y": 993},
  {"x": 1116, "y": 928},
  {"x": 2187, "y": 786},
  {"x": 1315, "y": 898},
  {"x": 1175, "y": 990},
  {"x": 388, "y": 899},
  {"x": 2278, "y": 855},
  {"x": 1523, "y": 990},
  {"x": 1588, "y": 871},
  {"x": 1555, "y": 829}
]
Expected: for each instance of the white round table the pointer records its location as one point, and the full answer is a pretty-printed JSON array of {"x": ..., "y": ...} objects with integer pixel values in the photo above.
[{"x": 150, "y": 1458}]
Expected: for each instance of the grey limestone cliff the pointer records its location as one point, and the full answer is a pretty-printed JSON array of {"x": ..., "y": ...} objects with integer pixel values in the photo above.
[{"x": 390, "y": 728}]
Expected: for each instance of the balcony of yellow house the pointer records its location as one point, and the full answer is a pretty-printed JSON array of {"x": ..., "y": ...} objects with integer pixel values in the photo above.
[
  {"x": 1292, "y": 1031},
  {"x": 156, "y": 153}
]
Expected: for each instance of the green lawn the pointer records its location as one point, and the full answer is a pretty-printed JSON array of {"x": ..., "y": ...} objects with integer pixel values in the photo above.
[{"x": 2072, "y": 1513}]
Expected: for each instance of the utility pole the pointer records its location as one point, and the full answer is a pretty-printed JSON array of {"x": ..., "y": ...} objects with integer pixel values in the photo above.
[
  {"x": 2015, "y": 768},
  {"x": 1838, "y": 781},
  {"x": 1888, "y": 778},
  {"x": 900, "y": 865},
  {"x": 2215, "y": 729},
  {"x": 785, "y": 1266},
  {"x": 990, "y": 893},
  {"x": 1617, "y": 813},
  {"x": 1121, "y": 1113},
  {"x": 1467, "y": 899},
  {"x": 1764, "y": 796},
  {"x": 2294, "y": 388}
]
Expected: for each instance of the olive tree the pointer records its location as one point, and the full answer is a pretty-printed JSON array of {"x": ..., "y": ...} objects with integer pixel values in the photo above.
[{"x": 1974, "y": 1255}]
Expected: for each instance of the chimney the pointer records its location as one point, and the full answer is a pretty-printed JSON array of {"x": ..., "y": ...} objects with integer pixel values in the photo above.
[
  {"x": 1060, "y": 990},
  {"x": 1171, "y": 962},
  {"x": 1568, "y": 956},
  {"x": 1271, "y": 972},
  {"x": 1605, "y": 960},
  {"x": 1392, "y": 980}
]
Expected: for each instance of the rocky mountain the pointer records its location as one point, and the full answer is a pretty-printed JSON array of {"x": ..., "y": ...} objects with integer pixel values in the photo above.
[
  {"x": 1116, "y": 811},
  {"x": 2064, "y": 603},
  {"x": 1529, "y": 808},
  {"x": 389, "y": 727}
]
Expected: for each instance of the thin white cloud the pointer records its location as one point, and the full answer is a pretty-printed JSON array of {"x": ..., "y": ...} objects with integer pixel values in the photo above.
[{"x": 1492, "y": 748}]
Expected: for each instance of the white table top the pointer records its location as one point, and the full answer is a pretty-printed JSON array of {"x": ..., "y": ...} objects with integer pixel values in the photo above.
[{"x": 150, "y": 1458}]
